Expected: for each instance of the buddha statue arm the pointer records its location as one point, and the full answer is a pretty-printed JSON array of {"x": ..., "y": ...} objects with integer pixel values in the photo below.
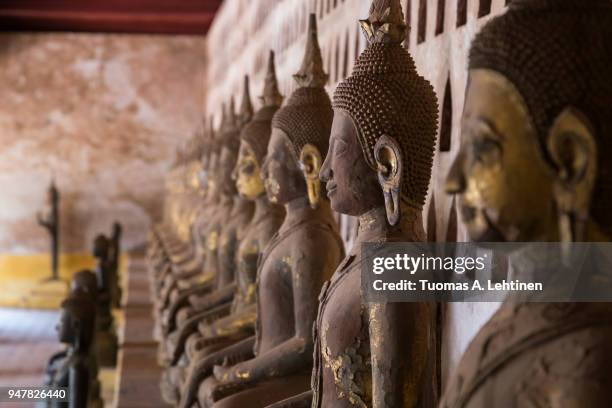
[
  {"x": 191, "y": 326},
  {"x": 295, "y": 353},
  {"x": 79, "y": 385},
  {"x": 399, "y": 335},
  {"x": 216, "y": 298},
  {"x": 202, "y": 368}
]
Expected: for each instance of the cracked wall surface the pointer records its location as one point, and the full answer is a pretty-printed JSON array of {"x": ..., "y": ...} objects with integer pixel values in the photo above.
[{"x": 103, "y": 115}]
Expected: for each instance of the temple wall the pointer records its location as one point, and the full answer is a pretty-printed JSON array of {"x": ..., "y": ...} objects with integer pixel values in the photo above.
[
  {"x": 441, "y": 31},
  {"x": 102, "y": 114}
]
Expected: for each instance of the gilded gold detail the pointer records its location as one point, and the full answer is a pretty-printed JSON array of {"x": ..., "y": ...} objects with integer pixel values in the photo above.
[{"x": 212, "y": 240}]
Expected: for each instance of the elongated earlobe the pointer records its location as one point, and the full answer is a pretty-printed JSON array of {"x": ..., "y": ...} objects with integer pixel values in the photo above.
[
  {"x": 572, "y": 147},
  {"x": 311, "y": 161},
  {"x": 388, "y": 157}
]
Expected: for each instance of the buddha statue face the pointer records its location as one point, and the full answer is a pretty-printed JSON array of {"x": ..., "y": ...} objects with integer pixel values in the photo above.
[
  {"x": 352, "y": 186},
  {"x": 532, "y": 139},
  {"x": 226, "y": 165},
  {"x": 502, "y": 179},
  {"x": 247, "y": 173},
  {"x": 66, "y": 331},
  {"x": 283, "y": 179}
]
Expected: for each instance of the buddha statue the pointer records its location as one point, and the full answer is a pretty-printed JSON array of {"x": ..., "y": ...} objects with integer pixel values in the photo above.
[
  {"x": 377, "y": 169},
  {"x": 223, "y": 233},
  {"x": 75, "y": 329},
  {"x": 196, "y": 275},
  {"x": 533, "y": 167},
  {"x": 268, "y": 217},
  {"x": 185, "y": 260},
  {"x": 106, "y": 337},
  {"x": 84, "y": 284},
  {"x": 231, "y": 229},
  {"x": 298, "y": 259}
]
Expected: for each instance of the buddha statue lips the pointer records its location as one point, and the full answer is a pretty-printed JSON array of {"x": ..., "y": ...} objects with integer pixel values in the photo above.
[{"x": 533, "y": 167}]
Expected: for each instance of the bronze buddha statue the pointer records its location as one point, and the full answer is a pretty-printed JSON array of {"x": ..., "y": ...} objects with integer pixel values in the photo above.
[
  {"x": 266, "y": 221},
  {"x": 76, "y": 329},
  {"x": 378, "y": 169},
  {"x": 106, "y": 336},
  {"x": 293, "y": 267},
  {"x": 84, "y": 284},
  {"x": 533, "y": 167}
]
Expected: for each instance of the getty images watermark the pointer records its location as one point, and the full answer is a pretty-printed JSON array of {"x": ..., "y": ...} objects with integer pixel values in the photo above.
[{"x": 493, "y": 272}]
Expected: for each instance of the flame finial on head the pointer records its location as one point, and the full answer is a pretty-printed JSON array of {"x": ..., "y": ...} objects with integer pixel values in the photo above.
[
  {"x": 311, "y": 74},
  {"x": 246, "y": 108},
  {"x": 229, "y": 121},
  {"x": 385, "y": 23},
  {"x": 271, "y": 95}
]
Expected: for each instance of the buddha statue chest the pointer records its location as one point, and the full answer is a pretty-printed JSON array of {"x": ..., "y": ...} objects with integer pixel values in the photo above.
[
  {"x": 342, "y": 364},
  {"x": 532, "y": 355}
]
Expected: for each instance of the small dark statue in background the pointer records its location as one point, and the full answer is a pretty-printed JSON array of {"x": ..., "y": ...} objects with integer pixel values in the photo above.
[
  {"x": 51, "y": 223},
  {"x": 113, "y": 261},
  {"x": 106, "y": 338},
  {"x": 76, "y": 328},
  {"x": 84, "y": 285}
]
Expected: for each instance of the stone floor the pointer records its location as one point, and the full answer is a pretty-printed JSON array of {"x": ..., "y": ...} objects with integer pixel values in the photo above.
[{"x": 139, "y": 372}]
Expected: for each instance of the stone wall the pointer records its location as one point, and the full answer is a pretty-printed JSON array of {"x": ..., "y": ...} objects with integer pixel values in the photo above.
[
  {"x": 102, "y": 114},
  {"x": 441, "y": 31}
]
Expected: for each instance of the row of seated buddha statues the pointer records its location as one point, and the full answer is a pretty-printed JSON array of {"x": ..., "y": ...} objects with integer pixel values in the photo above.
[
  {"x": 237, "y": 290},
  {"x": 87, "y": 329}
]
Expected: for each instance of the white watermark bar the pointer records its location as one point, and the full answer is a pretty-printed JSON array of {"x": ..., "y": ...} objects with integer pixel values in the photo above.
[
  {"x": 486, "y": 272},
  {"x": 33, "y": 394}
]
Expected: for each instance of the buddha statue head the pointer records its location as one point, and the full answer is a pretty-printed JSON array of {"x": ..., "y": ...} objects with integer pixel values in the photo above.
[
  {"x": 533, "y": 162},
  {"x": 76, "y": 325},
  {"x": 385, "y": 122},
  {"x": 101, "y": 247},
  {"x": 300, "y": 132},
  {"x": 85, "y": 281},
  {"x": 228, "y": 150},
  {"x": 254, "y": 139}
]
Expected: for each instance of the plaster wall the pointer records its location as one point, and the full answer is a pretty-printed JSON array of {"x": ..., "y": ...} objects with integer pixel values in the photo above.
[{"x": 102, "y": 115}]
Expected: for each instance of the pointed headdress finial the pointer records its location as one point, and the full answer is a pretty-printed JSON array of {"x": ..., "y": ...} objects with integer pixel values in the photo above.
[
  {"x": 228, "y": 123},
  {"x": 311, "y": 74},
  {"x": 271, "y": 95},
  {"x": 246, "y": 108},
  {"x": 385, "y": 24}
]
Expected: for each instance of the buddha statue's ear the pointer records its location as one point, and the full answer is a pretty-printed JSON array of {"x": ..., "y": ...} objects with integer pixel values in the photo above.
[
  {"x": 572, "y": 148},
  {"x": 310, "y": 163},
  {"x": 389, "y": 162}
]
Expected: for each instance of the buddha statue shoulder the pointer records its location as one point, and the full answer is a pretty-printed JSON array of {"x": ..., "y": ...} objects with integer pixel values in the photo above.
[
  {"x": 538, "y": 111},
  {"x": 299, "y": 258}
]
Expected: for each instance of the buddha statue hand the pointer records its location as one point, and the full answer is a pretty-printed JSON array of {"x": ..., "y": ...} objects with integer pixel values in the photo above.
[
  {"x": 303, "y": 400},
  {"x": 203, "y": 367},
  {"x": 223, "y": 390}
]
